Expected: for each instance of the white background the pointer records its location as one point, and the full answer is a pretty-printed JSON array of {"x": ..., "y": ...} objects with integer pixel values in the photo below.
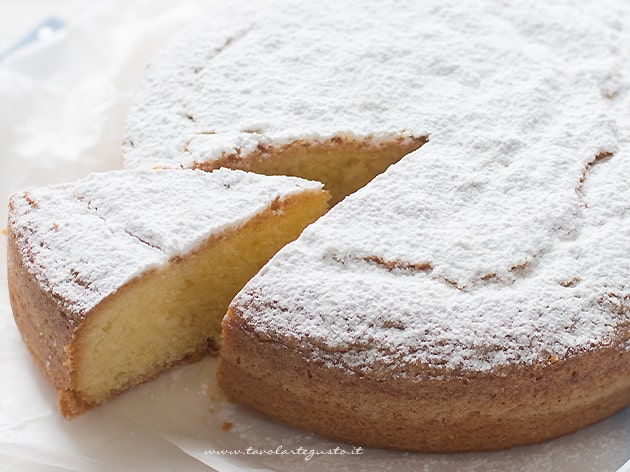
[{"x": 19, "y": 16}]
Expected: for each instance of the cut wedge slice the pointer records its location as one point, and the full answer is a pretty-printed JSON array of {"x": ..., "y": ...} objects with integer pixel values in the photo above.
[{"x": 119, "y": 276}]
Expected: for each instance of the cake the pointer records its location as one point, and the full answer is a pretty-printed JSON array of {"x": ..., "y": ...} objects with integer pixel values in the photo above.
[
  {"x": 473, "y": 295},
  {"x": 119, "y": 276}
]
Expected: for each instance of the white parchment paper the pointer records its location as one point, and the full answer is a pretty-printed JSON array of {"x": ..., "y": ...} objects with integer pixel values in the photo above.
[{"x": 62, "y": 108}]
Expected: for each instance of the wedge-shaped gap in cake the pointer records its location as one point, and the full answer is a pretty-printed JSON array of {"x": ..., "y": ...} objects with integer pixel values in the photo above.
[{"x": 343, "y": 165}]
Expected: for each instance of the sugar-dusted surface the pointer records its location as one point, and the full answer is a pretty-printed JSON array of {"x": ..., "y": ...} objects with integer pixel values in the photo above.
[
  {"x": 505, "y": 238},
  {"x": 488, "y": 72},
  {"x": 84, "y": 240}
]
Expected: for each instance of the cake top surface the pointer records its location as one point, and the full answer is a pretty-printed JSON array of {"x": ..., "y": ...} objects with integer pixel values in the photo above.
[
  {"x": 269, "y": 73},
  {"x": 84, "y": 240},
  {"x": 502, "y": 240}
]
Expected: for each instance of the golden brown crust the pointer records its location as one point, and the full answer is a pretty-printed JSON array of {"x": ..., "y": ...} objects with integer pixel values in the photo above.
[
  {"x": 480, "y": 411},
  {"x": 46, "y": 326}
]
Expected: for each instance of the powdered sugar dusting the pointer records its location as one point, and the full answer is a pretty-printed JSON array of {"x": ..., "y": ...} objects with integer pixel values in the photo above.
[
  {"x": 502, "y": 240},
  {"x": 82, "y": 241},
  {"x": 200, "y": 205},
  {"x": 269, "y": 74},
  {"x": 71, "y": 251}
]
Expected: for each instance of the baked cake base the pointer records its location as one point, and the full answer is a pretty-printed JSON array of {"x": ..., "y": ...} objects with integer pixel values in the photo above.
[{"x": 475, "y": 411}]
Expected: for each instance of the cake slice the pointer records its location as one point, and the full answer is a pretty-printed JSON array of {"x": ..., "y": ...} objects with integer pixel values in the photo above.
[{"x": 119, "y": 276}]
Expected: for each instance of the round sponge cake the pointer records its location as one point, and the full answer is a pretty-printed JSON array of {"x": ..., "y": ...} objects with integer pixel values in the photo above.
[{"x": 474, "y": 295}]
